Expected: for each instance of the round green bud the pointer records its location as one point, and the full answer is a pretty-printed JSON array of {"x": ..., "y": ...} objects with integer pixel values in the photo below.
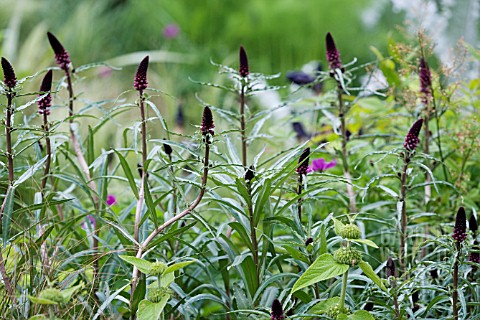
[
  {"x": 157, "y": 268},
  {"x": 350, "y": 231},
  {"x": 335, "y": 310},
  {"x": 156, "y": 294},
  {"x": 347, "y": 256},
  {"x": 52, "y": 294}
]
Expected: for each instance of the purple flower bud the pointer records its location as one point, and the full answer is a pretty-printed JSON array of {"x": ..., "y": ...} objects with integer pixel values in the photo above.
[
  {"x": 111, "y": 200},
  {"x": 243, "y": 69},
  {"x": 411, "y": 140},
  {"x": 250, "y": 174},
  {"x": 180, "y": 117},
  {"x": 308, "y": 241},
  {"x": 425, "y": 81},
  {"x": 9, "y": 77},
  {"x": 303, "y": 162},
  {"x": 472, "y": 223},
  {"x": 171, "y": 31},
  {"x": 207, "y": 122},
  {"x": 460, "y": 228},
  {"x": 390, "y": 269},
  {"x": 61, "y": 55},
  {"x": 140, "y": 82},
  {"x": 168, "y": 150},
  {"x": 45, "y": 103},
  {"x": 277, "y": 310},
  {"x": 475, "y": 255},
  {"x": 333, "y": 56}
]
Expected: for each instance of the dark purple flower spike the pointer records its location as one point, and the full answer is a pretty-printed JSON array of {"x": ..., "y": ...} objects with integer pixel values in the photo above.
[
  {"x": 460, "y": 228},
  {"x": 45, "y": 103},
  {"x": 140, "y": 82},
  {"x": 425, "y": 81},
  {"x": 250, "y": 174},
  {"x": 277, "y": 310},
  {"x": 303, "y": 162},
  {"x": 207, "y": 122},
  {"x": 390, "y": 269},
  {"x": 473, "y": 224},
  {"x": 411, "y": 140},
  {"x": 61, "y": 55},
  {"x": 333, "y": 56},
  {"x": 243, "y": 69},
  {"x": 474, "y": 256},
  {"x": 9, "y": 77}
]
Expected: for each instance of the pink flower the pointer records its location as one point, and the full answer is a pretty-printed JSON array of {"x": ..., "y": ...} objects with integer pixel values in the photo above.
[
  {"x": 321, "y": 165},
  {"x": 111, "y": 200},
  {"x": 171, "y": 31}
]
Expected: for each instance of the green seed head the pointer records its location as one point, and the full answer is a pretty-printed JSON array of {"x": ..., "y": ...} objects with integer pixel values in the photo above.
[
  {"x": 52, "y": 294},
  {"x": 335, "y": 310},
  {"x": 157, "y": 268},
  {"x": 350, "y": 231},
  {"x": 156, "y": 294},
  {"x": 347, "y": 256}
]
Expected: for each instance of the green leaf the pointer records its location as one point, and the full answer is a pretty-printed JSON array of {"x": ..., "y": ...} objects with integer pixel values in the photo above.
[
  {"x": 41, "y": 301},
  {"x": 324, "y": 305},
  {"x": 142, "y": 265},
  {"x": 128, "y": 173},
  {"x": 67, "y": 293},
  {"x": 177, "y": 266},
  {"x": 338, "y": 226},
  {"x": 38, "y": 317},
  {"x": 149, "y": 201},
  {"x": 368, "y": 270},
  {"x": 139, "y": 293},
  {"x": 365, "y": 241},
  {"x": 167, "y": 279},
  {"x": 151, "y": 311},
  {"x": 325, "y": 267},
  {"x": 361, "y": 315}
]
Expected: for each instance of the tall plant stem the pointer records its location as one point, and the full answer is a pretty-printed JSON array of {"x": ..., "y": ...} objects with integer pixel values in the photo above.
[
  {"x": 84, "y": 166},
  {"x": 343, "y": 293},
  {"x": 143, "y": 246},
  {"x": 243, "y": 126},
  {"x": 346, "y": 169},
  {"x": 8, "y": 133},
  {"x": 300, "y": 200},
  {"x": 141, "y": 193},
  {"x": 403, "y": 222},
  {"x": 455, "y": 281},
  {"x": 46, "y": 171},
  {"x": 253, "y": 232}
]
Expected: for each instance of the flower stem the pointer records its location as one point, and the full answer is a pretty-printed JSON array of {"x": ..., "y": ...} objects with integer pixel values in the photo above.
[
  {"x": 344, "y": 291},
  {"x": 242, "y": 126},
  {"x": 253, "y": 233},
  {"x": 300, "y": 200},
  {"x": 346, "y": 169},
  {"x": 455, "y": 280},
  {"x": 8, "y": 134},
  {"x": 403, "y": 222}
]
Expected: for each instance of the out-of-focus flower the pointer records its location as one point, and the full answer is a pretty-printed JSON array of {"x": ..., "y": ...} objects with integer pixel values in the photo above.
[
  {"x": 171, "y": 31},
  {"x": 243, "y": 70},
  {"x": 321, "y": 165},
  {"x": 140, "y": 82},
  {"x": 411, "y": 140},
  {"x": 45, "y": 103},
  {"x": 300, "y": 78},
  {"x": 299, "y": 129},
  {"x": 9, "y": 77},
  {"x": 207, "y": 122},
  {"x": 333, "y": 56},
  {"x": 425, "y": 81},
  {"x": 61, "y": 55},
  {"x": 277, "y": 310},
  {"x": 473, "y": 224},
  {"x": 111, "y": 200},
  {"x": 303, "y": 162},
  {"x": 460, "y": 228}
]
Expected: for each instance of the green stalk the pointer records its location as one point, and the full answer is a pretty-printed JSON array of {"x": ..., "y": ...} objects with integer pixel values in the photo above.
[
  {"x": 346, "y": 169},
  {"x": 403, "y": 222},
  {"x": 455, "y": 280},
  {"x": 253, "y": 233},
  {"x": 242, "y": 126},
  {"x": 343, "y": 294}
]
